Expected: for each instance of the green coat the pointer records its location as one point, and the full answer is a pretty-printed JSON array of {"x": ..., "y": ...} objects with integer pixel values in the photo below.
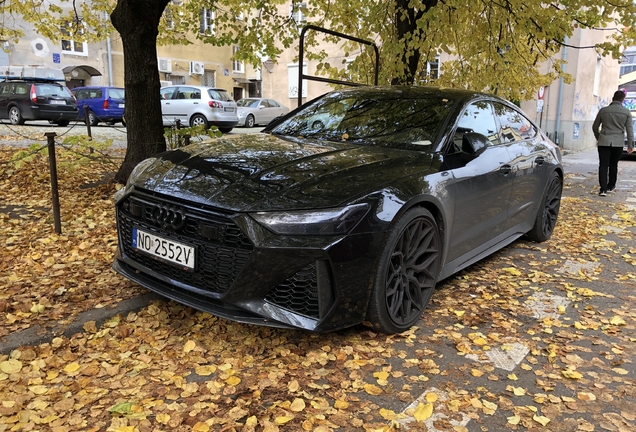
[{"x": 616, "y": 120}]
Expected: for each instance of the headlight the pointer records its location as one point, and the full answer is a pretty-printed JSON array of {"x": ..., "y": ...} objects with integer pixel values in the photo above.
[{"x": 336, "y": 221}]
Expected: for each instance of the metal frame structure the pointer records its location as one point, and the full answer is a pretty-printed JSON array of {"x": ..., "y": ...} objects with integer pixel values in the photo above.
[{"x": 301, "y": 54}]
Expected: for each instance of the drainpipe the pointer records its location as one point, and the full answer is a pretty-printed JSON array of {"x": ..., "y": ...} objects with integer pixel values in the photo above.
[
  {"x": 557, "y": 127},
  {"x": 110, "y": 58}
]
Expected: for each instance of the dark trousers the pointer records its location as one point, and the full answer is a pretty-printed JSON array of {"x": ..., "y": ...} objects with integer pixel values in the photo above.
[{"x": 608, "y": 158}]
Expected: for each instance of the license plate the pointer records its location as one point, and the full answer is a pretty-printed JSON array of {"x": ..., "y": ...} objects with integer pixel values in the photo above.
[
  {"x": 228, "y": 109},
  {"x": 58, "y": 102},
  {"x": 167, "y": 250},
  {"x": 122, "y": 105}
]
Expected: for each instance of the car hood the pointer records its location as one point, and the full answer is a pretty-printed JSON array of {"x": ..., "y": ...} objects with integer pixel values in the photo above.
[{"x": 252, "y": 172}]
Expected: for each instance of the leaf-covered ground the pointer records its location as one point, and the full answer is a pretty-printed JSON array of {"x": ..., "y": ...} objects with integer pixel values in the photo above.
[{"x": 536, "y": 337}]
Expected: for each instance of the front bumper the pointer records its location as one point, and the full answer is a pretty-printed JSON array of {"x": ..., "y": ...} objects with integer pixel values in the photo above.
[{"x": 247, "y": 274}]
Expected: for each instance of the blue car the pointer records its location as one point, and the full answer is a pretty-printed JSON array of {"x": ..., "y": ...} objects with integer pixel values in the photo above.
[{"x": 103, "y": 104}]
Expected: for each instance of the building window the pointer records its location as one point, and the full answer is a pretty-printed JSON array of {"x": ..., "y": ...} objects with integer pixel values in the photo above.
[
  {"x": 209, "y": 78},
  {"x": 297, "y": 12},
  {"x": 292, "y": 80},
  {"x": 176, "y": 79},
  {"x": 628, "y": 63},
  {"x": 207, "y": 21},
  {"x": 69, "y": 45},
  {"x": 237, "y": 66}
]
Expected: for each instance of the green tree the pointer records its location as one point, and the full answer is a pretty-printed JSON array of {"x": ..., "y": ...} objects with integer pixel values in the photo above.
[{"x": 496, "y": 45}]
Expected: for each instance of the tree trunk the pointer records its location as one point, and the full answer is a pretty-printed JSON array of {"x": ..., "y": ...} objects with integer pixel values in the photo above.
[
  {"x": 406, "y": 25},
  {"x": 137, "y": 22}
]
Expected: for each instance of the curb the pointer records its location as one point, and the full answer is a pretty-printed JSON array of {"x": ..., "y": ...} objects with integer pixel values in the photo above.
[{"x": 36, "y": 335}]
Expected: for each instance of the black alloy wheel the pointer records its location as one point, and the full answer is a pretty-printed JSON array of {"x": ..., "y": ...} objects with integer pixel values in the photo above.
[
  {"x": 407, "y": 272},
  {"x": 548, "y": 212}
]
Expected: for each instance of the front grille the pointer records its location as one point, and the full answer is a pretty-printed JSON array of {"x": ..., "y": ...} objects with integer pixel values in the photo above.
[
  {"x": 222, "y": 248},
  {"x": 299, "y": 293}
]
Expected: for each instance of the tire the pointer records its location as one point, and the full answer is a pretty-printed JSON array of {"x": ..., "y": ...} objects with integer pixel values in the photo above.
[
  {"x": 92, "y": 118},
  {"x": 407, "y": 272},
  {"x": 63, "y": 123},
  {"x": 15, "y": 116},
  {"x": 226, "y": 130},
  {"x": 110, "y": 123},
  {"x": 199, "y": 120},
  {"x": 249, "y": 121},
  {"x": 548, "y": 211}
]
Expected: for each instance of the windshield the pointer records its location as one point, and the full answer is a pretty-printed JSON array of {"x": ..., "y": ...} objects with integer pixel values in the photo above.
[
  {"x": 393, "y": 119},
  {"x": 251, "y": 103}
]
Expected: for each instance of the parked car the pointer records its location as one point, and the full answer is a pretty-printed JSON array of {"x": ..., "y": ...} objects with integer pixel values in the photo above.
[
  {"x": 104, "y": 104},
  {"x": 197, "y": 105},
  {"x": 255, "y": 111},
  {"x": 22, "y": 100},
  {"x": 355, "y": 219}
]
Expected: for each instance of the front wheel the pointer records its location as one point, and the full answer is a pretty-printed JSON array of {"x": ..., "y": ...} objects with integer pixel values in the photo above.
[
  {"x": 198, "y": 120},
  {"x": 15, "y": 116},
  {"x": 548, "y": 212},
  {"x": 249, "y": 121},
  {"x": 63, "y": 123},
  {"x": 92, "y": 118},
  {"x": 406, "y": 273}
]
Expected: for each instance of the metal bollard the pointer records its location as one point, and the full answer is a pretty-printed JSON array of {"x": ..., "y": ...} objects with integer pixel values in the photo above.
[
  {"x": 50, "y": 138},
  {"x": 186, "y": 140}
]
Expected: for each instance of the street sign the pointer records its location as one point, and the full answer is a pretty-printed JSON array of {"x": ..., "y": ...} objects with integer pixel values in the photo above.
[{"x": 540, "y": 93}]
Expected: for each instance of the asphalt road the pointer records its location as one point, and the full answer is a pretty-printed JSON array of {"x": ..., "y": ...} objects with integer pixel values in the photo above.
[{"x": 553, "y": 288}]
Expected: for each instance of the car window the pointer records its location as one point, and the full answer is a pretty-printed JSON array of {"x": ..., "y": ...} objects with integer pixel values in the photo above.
[
  {"x": 396, "y": 119},
  {"x": 251, "y": 103},
  {"x": 6, "y": 89},
  {"x": 265, "y": 103},
  {"x": 95, "y": 94},
  {"x": 22, "y": 89},
  {"x": 116, "y": 93},
  {"x": 188, "y": 93},
  {"x": 220, "y": 95},
  {"x": 52, "y": 90},
  {"x": 478, "y": 117},
  {"x": 514, "y": 126},
  {"x": 273, "y": 103},
  {"x": 167, "y": 92},
  {"x": 80, "y": 94}
]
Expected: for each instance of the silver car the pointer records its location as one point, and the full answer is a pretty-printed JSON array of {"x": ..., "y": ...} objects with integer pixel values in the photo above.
[
  {"x": 198, "y": 105},
  {"x": 253, "y": 111}
]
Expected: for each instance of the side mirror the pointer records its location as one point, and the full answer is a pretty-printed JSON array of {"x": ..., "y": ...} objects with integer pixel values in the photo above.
[{"x": 474, "y": 143}]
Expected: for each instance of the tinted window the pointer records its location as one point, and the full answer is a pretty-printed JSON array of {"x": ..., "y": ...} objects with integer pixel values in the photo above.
[
  {"x": 6, "y": 89},
  {"x": 116, "y": 93},
  {"x": 81, "y": 94},
  {"x": 394, "y": 119},
  {"x": 514, "y": 126},
  {"x": 220, "y": 95},
  {"x": 479, "y": 118},
  {"x": 52, "y": 90}
]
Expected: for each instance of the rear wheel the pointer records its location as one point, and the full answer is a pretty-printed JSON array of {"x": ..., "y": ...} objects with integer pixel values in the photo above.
[
  {"x": 226, "y": 130},
  {"x": 15, "y": 116},
  {"x": 249, "y": 121},
  {"x": 407, "y": 272},
  {"x": 63, "y": 123},
  {"x": 92, "y": 118},
  {"x": 548, "y": 212},
  {"x": 199, "y": 120}
]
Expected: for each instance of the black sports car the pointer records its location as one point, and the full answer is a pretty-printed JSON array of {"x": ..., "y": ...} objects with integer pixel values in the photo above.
[{"x": 348, "y": 209}]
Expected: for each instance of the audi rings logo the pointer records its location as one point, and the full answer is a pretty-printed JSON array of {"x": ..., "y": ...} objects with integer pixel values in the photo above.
[{"x": 168, "y": 217}]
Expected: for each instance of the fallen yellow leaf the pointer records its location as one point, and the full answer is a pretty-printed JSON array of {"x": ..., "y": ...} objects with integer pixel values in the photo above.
[
  {"x": 297, "y": 405},
  {"x": 423, "y": 412},
  {"x": 372, "y": 389},
  {"x": 71, "y": 367},
  {"x": 387, "y": 414},
  {"x": 572, "y": 374},
  {"x": 201, "y": 427},
  {"x": 430, "y": 397},
  {"x": 617, "y": 320},
  {"x": 282, "y": 420},
  {"x": 233, "y": 380},
  {"x": 11, "y": 366},
  {"x": 189, "y": 346},
  {"x": 542, "y": 420},
  {"x": 514, "y": 420}
]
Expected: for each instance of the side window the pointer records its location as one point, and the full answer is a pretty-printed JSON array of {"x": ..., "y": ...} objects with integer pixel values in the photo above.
[
  {"x": 95, "y": 94},
  {"x": 265, "y": 103},
  {"x": 478, "y": 117},
  {"x": 22, "y": 89},
  {"x": 188, "y": 93},
  {"x": 166, "y": 93},
  {"x": 6, "y": 89},
  {"x": 513, "y": 125}
]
